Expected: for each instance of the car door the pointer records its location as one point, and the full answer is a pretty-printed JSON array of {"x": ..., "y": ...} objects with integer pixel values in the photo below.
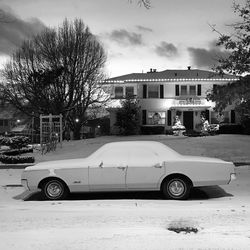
[
  {"x": 109, "y": 170},
  {"x": 145, "y": 169}
]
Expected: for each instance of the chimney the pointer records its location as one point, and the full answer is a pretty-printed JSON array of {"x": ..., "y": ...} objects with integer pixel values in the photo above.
[
  {"x": 189, "y": 67},
  {"x": 152, "y": 71}
]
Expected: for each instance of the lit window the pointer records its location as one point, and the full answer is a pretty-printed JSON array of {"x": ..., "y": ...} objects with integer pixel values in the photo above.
[
  {"x": 192, "y": 90},
  {"x": 153, "y": 91},
  {"x": 118, "y": 92},
  {"x": 156, "y": 118},
  {"x": 183, "y": 89},
  {"x": 217, "y": 117}
]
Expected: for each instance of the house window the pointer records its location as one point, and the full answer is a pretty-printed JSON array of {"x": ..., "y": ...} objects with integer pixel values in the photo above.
[
  {"x": 184, "y": 90},
  {"x": 129, "y": 91},
  {"x": 156, "y": 118},
  {"x": 118, "y": 92},
  {"x": 153, "y": 91},
  {"x": 4, "y": 123},
  {"x": 192, "y": 90},
  {"x": 217, "y": 117}
]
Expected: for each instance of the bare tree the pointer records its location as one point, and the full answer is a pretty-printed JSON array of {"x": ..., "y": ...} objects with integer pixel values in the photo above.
[{"x": 58, "y": 71}]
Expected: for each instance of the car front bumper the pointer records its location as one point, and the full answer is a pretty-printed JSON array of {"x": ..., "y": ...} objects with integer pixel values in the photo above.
[{"x": 24, "y": 183}]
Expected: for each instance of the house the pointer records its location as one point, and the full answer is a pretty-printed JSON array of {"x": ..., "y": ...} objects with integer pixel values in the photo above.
[
  {"x": 165, "y": 94},
  {"x": 11, "y": 120}
]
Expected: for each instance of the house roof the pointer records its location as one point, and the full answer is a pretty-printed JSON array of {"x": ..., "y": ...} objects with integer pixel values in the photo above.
[{"x": 172, "y": 75}]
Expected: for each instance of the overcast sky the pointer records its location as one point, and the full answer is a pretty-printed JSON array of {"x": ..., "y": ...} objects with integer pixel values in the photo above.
[{"x": 172, "y": 34}]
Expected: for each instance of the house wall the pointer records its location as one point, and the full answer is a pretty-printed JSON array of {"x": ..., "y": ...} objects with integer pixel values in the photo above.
[{"x": 170, "y": 101}]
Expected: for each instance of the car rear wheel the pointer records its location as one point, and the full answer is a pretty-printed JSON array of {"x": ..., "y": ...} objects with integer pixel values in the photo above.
[
  {"x": 54, "y": 190},
  {"x": 176, "y": 188}
]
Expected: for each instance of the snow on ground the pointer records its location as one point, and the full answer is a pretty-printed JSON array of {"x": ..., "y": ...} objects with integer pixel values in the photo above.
[
  {"x": 221, "y": 214},
  {"x": 226, "y": 147}
]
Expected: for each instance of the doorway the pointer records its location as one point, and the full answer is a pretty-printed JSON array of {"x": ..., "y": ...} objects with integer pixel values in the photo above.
[{"x": 188, "y": 119}]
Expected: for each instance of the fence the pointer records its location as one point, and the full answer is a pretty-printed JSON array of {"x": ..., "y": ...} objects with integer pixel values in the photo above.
[{"x": 50, "y": 132}]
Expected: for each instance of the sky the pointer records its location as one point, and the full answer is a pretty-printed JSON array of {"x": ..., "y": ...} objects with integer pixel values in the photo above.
[{"x": 172, "y": 34}]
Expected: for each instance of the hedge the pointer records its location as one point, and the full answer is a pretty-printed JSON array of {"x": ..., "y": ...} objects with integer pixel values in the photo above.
[
  {"x": 15, "y": 142},
  {"x": 16, "y": 159},
  {"x": 17, "y": 151},
  {"x": 152, "y": 130},
  {"x": 231, "y": 129}
]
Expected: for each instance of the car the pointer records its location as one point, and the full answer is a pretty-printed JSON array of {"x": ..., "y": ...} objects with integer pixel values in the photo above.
[{"x": 128, "y": 166}]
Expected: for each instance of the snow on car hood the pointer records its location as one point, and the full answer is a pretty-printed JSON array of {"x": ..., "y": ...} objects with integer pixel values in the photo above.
[{"x": 69, "y": 163}]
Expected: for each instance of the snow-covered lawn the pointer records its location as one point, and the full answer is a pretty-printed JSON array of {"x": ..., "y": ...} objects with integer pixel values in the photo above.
[
  {"x": 227, "y": 147},
  {"x": 135, "y": 220}
]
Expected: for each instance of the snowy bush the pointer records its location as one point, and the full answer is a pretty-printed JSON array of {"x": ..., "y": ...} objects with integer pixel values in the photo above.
[
  {"x": 16, "y": 159},
  {"x": 16, "y": 142}
]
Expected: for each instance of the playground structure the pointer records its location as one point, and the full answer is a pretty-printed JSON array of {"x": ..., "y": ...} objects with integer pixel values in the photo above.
[{"x": 51, "y": 131}]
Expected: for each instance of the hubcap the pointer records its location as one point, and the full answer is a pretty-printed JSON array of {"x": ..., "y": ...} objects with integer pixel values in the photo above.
[
  {"x": 54, "y": 189},
  {"x": 176, "y": 188}
]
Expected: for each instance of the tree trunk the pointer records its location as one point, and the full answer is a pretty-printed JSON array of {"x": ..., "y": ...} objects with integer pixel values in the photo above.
[{"x": 77, "y": 133}]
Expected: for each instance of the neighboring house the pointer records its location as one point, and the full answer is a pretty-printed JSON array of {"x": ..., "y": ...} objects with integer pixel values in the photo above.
[
  {"x": 11, "y": 120},
  {"x": 163, "y": 95}
]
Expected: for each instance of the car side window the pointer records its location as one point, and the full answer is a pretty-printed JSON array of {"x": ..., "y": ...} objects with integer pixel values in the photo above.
[
  {"x": 143, "y": 157},
  {"x": 114, "y": 156}
]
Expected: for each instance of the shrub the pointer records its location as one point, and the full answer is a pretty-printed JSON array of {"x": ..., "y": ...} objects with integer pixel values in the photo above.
[
  {"x": 169, "y": 131},
  {"x": 152, "y": 130},
  {"x": 16, "y": 159},
  {"x": 15, "y": 142},
  {"x": 18, "y": 151},
  {"x": 231, "y": 129}
]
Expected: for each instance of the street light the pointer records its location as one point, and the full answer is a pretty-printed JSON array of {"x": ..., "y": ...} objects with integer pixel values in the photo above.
[{"x": 77, "y": 120}]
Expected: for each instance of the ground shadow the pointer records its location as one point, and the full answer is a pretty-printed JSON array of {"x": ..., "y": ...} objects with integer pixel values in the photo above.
[{"x": 199, "y": 193}]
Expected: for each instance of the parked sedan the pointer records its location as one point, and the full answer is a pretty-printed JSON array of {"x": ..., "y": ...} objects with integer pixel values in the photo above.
[{"x": 128, "y": 166}]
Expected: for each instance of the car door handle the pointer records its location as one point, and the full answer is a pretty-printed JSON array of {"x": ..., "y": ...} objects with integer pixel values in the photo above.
[
  {"x": 158, "y": 165},
  {"x": 122, "y": 168}
]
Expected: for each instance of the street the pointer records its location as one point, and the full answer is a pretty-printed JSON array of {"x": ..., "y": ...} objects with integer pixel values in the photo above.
[{"x": 219, "y": 217}]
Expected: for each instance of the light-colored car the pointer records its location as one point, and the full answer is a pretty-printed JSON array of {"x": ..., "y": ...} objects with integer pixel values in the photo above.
[{"x": 128, "y": 166}]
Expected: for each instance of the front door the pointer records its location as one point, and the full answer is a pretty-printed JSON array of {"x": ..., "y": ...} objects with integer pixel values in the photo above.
[
  {"x": 145, "y": 169},
  {"x": 108, "y": 171},
  {"x": 188, "y": 119}
]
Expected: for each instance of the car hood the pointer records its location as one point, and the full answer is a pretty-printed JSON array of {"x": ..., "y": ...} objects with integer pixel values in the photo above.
[{"x": 69, "y": 163}]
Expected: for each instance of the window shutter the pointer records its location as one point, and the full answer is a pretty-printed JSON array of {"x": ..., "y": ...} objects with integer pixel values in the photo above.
[
  {"x": 177, "y": 90},
  {"x": 161, "y": 91},
  {"x": 207, "y": 115},
  {"x": 214, "y": 87},
  {"x": 144, "y": 94},
  {"x": 169, "y": 118},
  {"x": 199, "y": 89},
  {"x": 232, "y": 116},
  {"x": 144, "y": 117}
]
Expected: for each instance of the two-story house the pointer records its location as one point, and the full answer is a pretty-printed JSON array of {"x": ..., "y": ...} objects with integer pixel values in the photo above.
[{"x": 163, "y": 95}]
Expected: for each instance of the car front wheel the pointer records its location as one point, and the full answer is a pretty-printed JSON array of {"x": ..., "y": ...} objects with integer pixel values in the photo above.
[
  {"x": 176, "y": 188},
  {"x": 54, "y": 190}
]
